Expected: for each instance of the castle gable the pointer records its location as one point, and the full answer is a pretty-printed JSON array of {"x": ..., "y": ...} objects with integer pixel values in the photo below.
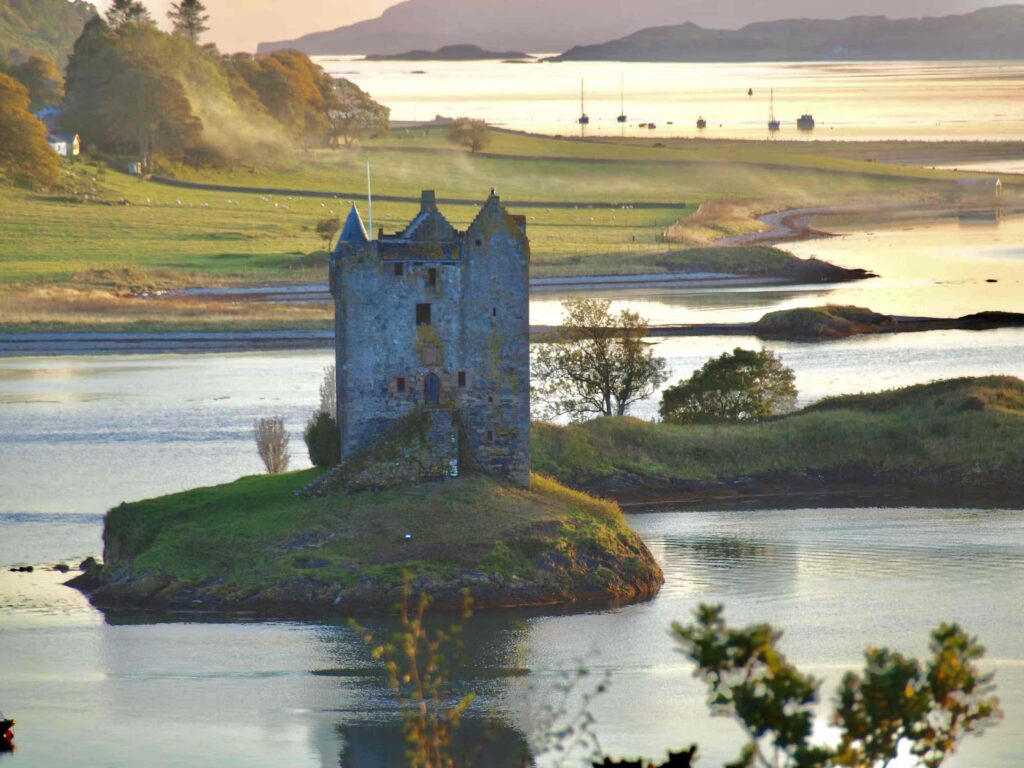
[
  {"x": 429, "y": 225},
  {"x": 493, "y": 218}
]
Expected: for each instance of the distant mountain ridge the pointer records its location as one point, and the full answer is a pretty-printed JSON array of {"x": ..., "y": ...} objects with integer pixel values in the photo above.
[
  {"x": 49, "y": 27},
  {"x": 448, "y": 53},
  {"x": 549, "y": 26},
  {"x": 989, "y": 33}
]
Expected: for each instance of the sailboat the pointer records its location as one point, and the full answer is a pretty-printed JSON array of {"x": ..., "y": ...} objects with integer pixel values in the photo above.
[
  {"x": 622, "y": 100},
  {"x": 584, "y": 120},
  {"x": 774, "y": 124}
]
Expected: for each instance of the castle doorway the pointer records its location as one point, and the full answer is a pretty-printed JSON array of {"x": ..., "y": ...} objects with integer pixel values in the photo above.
[{"x": 432, "y": 389}]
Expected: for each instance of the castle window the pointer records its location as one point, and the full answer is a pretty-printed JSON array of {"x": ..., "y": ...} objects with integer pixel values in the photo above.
[
  {"x": 490, "y": 398},
  {"x": 422, "y": 314},
  {"x": 432, "y": 277},
  {"x": 400, "y": 384},
  {"x": 462, "y": 378},
  {"x": 479, "y": 241},
  {"x": 489, "y": 436},
  {"x": 494, "y": 311},
  {"x": 399, "y": 269}
]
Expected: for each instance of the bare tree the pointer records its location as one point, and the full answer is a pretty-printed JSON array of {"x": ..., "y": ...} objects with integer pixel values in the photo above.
[
  {"x": 329, "y": 392},
  {"x": 272, "y": 443},
  {"x": 597, "y": 364}
]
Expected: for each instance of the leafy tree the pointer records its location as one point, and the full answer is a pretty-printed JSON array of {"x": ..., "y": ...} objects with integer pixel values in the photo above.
[
  {"x": 897, "y": 701},
  {"x": 44, "y": 81},
  {"x": 25, "y": 155},
  {"x": 326, "y": 229},
  {"x": 189, "y": 18},
  {"x": 124, "y": 96},
  {"x": 466, "y": 132},
  {"x": 737, "y": 386},
  {"x": 597, "y": 363},
  {"x": 323, "y": 440},
  {"x": 125, "y": 12},
  {"x": 353, "y": 114}
]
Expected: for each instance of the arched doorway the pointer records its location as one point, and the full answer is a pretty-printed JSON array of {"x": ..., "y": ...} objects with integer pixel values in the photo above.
[{"x": 431, "y": 389}]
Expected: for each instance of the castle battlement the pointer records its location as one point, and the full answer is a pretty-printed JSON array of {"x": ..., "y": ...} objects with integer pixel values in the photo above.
[{"x": 433, "y": 318}]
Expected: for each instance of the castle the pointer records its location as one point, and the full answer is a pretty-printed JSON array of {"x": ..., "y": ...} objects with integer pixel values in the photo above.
[{"x": 435, "y": 320}]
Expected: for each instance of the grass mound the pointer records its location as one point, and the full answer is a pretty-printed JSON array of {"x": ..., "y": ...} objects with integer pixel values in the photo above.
[
  {"x": 828, "y": 322},
  {"x": 254, "y": 542},
  {"x": 962, "y": 433}
]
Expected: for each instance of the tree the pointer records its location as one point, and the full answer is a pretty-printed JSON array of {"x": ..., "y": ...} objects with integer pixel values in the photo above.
[
  {"x": 125, "y": 96},
  {"x": 125, "y": 12},
  {"x": 353, "y": 114},
  {"x": 323, "y": 439},
  {"x": 25, "y": 155},
  {"x": 272, "y": 443},
  {"x": 739, "y": 386},
  {"x": 189, "y": 18},
  {"x": 326, "y": 229},
  {"x": 898, "y": 702},
  {"x": 474, "y": 134},
  {"x": 44, "y": 81},
  {"x": 597, "y": 363}
]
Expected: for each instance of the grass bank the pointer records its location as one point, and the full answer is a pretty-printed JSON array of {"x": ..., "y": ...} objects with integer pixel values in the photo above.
[
  {"x": 960, "y": 434},
  {"x": 254, "y": 544}
]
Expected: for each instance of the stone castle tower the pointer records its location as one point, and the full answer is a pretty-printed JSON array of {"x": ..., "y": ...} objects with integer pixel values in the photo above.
[{"x": 435, "y": 320}]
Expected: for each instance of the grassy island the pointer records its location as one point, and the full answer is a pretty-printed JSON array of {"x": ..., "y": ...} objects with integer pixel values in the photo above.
[
  {"x": 257, "y": 545},
  {"x": 953, "y": 437}
]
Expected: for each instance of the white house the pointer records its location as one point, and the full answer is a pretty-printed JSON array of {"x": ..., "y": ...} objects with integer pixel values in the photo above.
[{"x": 66, "y": 145}]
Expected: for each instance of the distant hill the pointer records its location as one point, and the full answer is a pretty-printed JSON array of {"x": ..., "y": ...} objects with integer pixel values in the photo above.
[
  {"x": 448, "y": 53},
  {"x": 991, "y": 33},
  {"x": 549, "y": 26},
  {"x": 42, "y": 26}
]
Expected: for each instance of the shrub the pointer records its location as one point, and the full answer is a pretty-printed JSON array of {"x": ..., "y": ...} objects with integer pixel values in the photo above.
[
  {"x": 323, "y": 440},
  {"x": 272, "y": 443}
]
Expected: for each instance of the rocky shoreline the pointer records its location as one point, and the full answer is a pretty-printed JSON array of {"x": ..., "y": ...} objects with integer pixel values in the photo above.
[{"x": 121, "y": 588}]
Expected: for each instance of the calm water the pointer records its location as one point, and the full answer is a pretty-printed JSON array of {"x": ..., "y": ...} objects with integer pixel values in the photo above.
[
  {"x": 80, "y": 434},
  {"x": 108, "y": 691},
  {"x": 885, "y": 100},
  {"x": 931, "y": 269}
]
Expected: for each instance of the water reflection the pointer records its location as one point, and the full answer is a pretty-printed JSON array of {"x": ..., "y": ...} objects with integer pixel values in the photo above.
[{"x": 476, "y": 742}]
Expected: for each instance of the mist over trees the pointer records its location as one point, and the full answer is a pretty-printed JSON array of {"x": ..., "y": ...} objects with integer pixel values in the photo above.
[{"x": 132, "y": 90}]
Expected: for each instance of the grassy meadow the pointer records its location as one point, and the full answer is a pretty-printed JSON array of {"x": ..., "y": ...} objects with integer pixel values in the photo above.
[
  {"x": 80, "y": 256},
  {"x": 967, "y": 433}
]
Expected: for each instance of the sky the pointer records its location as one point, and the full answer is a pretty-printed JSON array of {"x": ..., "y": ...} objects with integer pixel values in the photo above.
[{"x": 238, "y": 25}]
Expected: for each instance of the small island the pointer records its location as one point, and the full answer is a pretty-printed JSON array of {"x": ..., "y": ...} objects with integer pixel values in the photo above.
[
  {"x": 259, "y": 545},
  {"x": 450, "y": 53}
]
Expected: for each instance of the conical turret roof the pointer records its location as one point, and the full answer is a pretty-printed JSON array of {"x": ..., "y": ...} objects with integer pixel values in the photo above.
[{"x": 353, "y": 231}]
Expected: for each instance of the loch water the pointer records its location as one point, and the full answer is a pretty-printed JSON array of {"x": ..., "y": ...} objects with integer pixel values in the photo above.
[{"x": 79, "y": 434}]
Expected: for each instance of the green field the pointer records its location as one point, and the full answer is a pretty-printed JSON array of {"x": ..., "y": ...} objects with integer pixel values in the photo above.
[{"x": 106, "y": 235}]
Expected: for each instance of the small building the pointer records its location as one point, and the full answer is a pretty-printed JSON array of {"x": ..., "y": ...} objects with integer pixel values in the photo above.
[
  {"x": 433, "y": 320},
  {"x": 975, "y": 190},
  {"x": 67, "y": 145}
]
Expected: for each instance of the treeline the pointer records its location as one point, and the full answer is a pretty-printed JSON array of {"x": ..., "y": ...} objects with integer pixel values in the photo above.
[
  {"x": 41, "y": 27},
  {"x": 133, "y": 90}
]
